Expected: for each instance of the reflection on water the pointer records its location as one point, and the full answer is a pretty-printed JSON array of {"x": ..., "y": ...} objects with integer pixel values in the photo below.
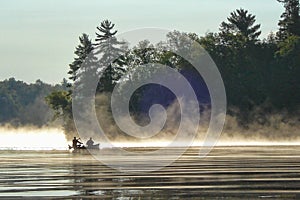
[{"x": 228, "y": 172}]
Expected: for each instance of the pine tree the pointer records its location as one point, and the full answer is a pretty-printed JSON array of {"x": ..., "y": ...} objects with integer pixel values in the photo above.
[
  {"x": 240, "y": 23},
  {"x": 109, "y": 48},
  {"x": 82, "y": 51},
  {"x": 290, "y": 19}
]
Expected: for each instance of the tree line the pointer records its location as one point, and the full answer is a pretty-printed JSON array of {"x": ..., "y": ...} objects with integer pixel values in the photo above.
[
  {"x": 23, "y": 104},
  {"x": 257, "y": 73}
]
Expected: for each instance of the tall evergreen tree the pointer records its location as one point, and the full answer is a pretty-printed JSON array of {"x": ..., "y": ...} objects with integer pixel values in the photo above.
[
  {"x": 239, "y": 60},
  {"x": 82, "y": 51},
  {"x": 108, "y": 47},
  {"x": 290, "y": 19},
  {"x": 240, "y": 23}
]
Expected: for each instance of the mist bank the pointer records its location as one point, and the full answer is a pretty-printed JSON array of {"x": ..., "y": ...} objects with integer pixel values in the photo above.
[
  {"x": 32, "y": 138},
  {"x": 264, "y": 124},
  {"x": 275, "y": 129},
  {"x": 271, "y": 127}
]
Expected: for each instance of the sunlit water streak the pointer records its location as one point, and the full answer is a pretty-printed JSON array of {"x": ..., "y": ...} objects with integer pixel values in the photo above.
[{"x": 230, "y": 172}]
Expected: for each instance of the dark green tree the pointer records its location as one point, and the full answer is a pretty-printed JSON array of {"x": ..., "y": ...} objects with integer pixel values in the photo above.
[
  {"x": 61, "y": 103},
  {"x": 238, "y": 55},
  {"x": 61, "y": 100},
  {"x": 287, "y": 58},
  {"x": 82, "y": 51},
  {"x": 290, "y": 19},
  {"x": 286, "y": 92},
  {"x": 109, "y": 47},
  {"x": 242, "y": 25}
]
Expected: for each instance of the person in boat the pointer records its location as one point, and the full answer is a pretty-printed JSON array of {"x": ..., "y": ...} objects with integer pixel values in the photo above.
[
  {"x": 90, "y": 143},
  {"x": 76, "y": 143}
]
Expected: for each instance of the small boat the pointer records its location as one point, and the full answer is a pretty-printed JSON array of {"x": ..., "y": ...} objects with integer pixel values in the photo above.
[{"x": 82, "y": 148}]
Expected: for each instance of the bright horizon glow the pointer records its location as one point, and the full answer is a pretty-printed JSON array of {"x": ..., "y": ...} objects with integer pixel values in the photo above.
[
  {"x": 54, "y": 139},
  {"x": 32, "y": 139},
  {"x": 38, "y": 38}
]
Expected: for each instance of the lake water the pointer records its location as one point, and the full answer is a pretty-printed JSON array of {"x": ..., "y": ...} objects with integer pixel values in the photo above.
[{"x": 239, "y": 172}]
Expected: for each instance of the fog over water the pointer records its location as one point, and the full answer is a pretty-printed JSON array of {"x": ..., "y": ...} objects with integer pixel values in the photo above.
[
  {"x": 26, "y": 138},
  {"x": 266, "y": 129},
  {"x": 277, "y": 133}
]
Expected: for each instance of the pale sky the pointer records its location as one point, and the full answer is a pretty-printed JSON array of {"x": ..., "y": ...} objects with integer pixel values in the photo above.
[{"x": 38, "y": 37}]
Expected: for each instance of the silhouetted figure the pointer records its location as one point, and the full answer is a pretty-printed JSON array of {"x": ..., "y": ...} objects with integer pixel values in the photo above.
[
  {"x": 76, "y": 143},
  {"x": 90, "y": 143}
]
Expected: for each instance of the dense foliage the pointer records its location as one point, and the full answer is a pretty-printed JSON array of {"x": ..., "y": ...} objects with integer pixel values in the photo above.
[
  {"x": 257, "y": 72},
  {"x": 23, "y": 104}
]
